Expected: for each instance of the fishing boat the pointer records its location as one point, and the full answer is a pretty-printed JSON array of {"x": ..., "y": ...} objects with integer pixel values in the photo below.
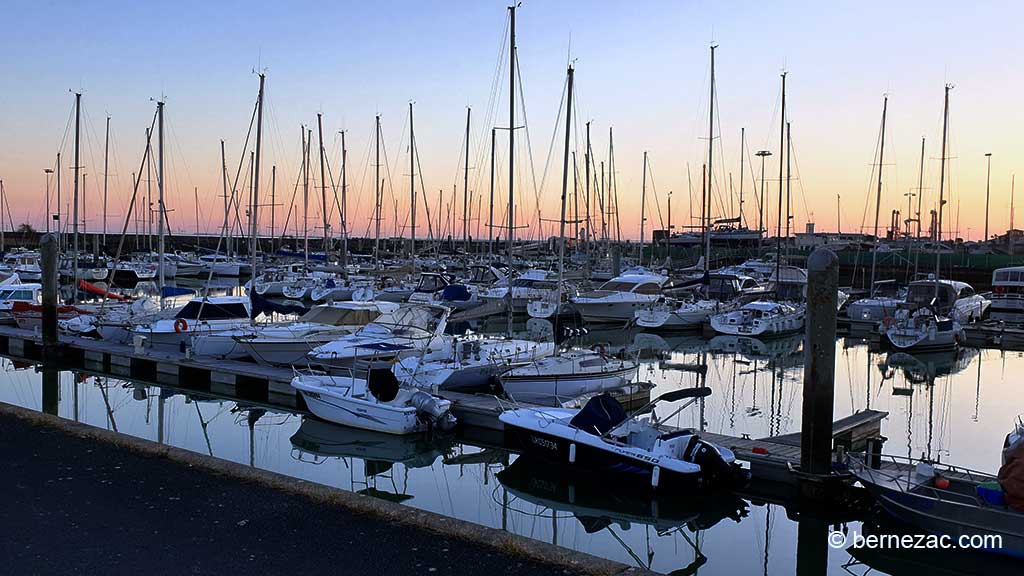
[
  {"x": 567, "y": 375},
  {"x": 200, "y": 316},
  {"x": 376, "y": 403},
  {"x": 410, "y": 329},
  {"x": 941, "y": 499},
  {"x": 761, "y": 318},
  {"x": 618, "y": 299},
  {"x": 473, "y": 363},
  {"x": 602, "y": 438},
  {"x": 288, "y": 344}
]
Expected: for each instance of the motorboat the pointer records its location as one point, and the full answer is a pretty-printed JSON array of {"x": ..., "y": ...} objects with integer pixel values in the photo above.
[
  {"x": 886, "y": 296},
  {"x": 474, "y": 363},
  {"x": 601, "y": 437},
  {"x": 761, "y": 318},
  {"x": 221, "y": 265},
  {"x": 14, "y": 292},
  {"x": 921, "y": 329},
  {"x": 569, "y": 374},
  {"x": 443, "y": 289},
  {"x": 949, "y": 298},
  {"x": 1008, "y": 295},
  {"x": 618, "y": 299},
  {"x": 942, "y": 499},
  {"x": 288, "y": 344},
  {"x": 199, "y": 316},
  {"x": 531, "y": 285},
  {"x": 25, "y": 264},
  {"x": 132, "y": 272},
  {"x": 410, "y": 329},
  {"x": 376, "y": 403},
  {"x": 669, "y": 313}
]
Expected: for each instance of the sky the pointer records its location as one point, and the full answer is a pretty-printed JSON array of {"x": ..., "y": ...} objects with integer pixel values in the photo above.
[{"x": 641, "y": 69}]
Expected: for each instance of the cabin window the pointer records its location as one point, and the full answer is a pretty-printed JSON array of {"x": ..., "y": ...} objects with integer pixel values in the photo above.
[
  {"x": 617, "y": 286},
  {"x": 648, "y": 288},
  {"x": 1001, "y": 276},
  {"x": 210, "y": 311},
  {"x": 967, "y": 292}
]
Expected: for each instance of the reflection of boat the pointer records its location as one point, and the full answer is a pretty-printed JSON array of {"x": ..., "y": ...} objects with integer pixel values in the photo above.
[
  {"x": 589, "y": 500},
  {"x": 925, "y": 367},
  {"x": 756, "y": 349},
  {"x": 325, "y": 440},
  {"x": 602, "y": 438},
  {"x": 942, "y": 499}
]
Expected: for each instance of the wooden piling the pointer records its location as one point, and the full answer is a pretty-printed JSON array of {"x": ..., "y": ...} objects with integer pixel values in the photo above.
[
  {"x": 49, "y": 252},
  {"x": 819, "y": 362}
]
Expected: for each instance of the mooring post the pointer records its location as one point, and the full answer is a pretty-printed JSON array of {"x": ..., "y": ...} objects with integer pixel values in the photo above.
[
  {"x": 49, "y": 252},
  {"x": 819, "y": 362},
  {"x": 616, "y": 261}
]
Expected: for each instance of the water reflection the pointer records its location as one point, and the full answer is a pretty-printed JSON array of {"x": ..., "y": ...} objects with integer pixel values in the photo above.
[{"x": 954, "y": 407}]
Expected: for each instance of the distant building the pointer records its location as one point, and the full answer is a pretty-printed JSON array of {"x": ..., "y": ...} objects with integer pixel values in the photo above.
[{"x": 834, "y": 240}]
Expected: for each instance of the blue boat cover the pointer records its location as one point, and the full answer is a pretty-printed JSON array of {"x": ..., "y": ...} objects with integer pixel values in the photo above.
[
  {"x": 600, "y": 415},
  {"x": 455, "y": 293},
  {"x": 168, "y": 291}
]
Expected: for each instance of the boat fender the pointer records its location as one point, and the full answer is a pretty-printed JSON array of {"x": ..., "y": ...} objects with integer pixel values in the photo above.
[
  {"x": 655, "y": 476},
  {"x": 180, "y": 325},
  {"x": 572, "y": 453},
  {"x": 941, "y": 483}
]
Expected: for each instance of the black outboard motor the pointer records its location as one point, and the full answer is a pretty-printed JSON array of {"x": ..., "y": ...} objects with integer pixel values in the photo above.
[{"x": 713, "y": 466}]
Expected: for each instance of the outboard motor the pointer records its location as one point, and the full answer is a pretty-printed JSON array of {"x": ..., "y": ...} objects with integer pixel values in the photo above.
[
  {"x": 436, "y": 411},
  {"x": 712, "y": 465}
]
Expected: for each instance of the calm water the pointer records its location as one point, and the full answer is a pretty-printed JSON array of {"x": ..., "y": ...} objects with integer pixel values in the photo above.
[{"x": 954, "y": 408}]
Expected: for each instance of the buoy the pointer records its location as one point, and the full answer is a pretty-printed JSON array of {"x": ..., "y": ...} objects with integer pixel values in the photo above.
[{"x": 942, "y": 483}]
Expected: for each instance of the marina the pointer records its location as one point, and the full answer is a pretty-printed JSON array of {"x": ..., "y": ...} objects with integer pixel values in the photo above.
[{"x": 414, "y": 336}]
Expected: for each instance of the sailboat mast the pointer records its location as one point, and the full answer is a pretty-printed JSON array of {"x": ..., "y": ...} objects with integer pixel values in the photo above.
[
  {"x": 412, "y": 190},
  {"x": 305, "y": 199},
  {"x": 76, "y": 167},
  {"x": 511, "y": 154},
  {"x": 376, "y": 197},
  {"x": 106, "y": 157},
  {"x": 643, "y": 211},
  {"x": 586, "y": 172},
  {"x": 465, "y": 189},
  {"x": 743, "y": 144},
  {"x": 942, "y": 187},
  {"x": 565, "y": 186},
  {"x": 706, "y": 222},
  {"x": 323, "y": 183},
  {"x": 273, "y": 206},
  {"x": 878, "y": 193},
  {"x": 224, "y": 178},
  {"x": 196, "y": 193},
  {"x": 255, "y": 214},
  {"x": 490, "y": 218},
  {"x": 160, "y": 193},
  {"x": 782, "y": 151},
  {"x": 344, "y": 209}
]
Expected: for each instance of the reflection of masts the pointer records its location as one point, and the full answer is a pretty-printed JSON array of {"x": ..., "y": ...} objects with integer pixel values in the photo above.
[
  {"x": 203, "y": 424},
  {"x": 931, "y": 415},
  {"x": 106, "y": 402},
  {"x": 977, "y": 391}
]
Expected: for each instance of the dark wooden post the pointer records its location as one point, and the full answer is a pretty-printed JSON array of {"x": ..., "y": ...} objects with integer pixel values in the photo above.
[{"x": 819, "y": 362}]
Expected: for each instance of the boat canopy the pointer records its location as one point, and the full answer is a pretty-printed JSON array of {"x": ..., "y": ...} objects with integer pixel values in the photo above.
[
  {"x": 213, "y": 310},
  {"x": 599, "y": 416},
  {"x": 339, "y": 316}
]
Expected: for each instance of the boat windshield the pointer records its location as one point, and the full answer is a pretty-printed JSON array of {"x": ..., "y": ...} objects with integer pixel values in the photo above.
[
  {"x": 618, "y": 286},
  {"x": 431, "y": 283},
  {"x": 196, "y": 310},
  {"x": 922, "y": 294},
  {"x": 334, "y": 316},
  {"x": 17, "y": 294},
  {"x": 417, "y": 319}
]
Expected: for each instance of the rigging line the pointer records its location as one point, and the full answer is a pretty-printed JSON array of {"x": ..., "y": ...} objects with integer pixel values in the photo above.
[
  {"x": 654, "y": 189},
  {"x": 529, "y": 144},
  {"x": 551, "y": 147}
]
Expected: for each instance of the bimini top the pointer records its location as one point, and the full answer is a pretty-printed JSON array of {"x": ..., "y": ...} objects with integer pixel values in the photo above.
[{"x": 599, "y": 416}]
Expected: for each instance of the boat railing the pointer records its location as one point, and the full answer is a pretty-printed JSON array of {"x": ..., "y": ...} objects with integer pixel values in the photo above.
[{"x": 901, "y": 473}]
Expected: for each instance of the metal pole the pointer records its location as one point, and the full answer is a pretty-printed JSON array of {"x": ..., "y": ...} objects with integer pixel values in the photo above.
[
  {"x": 988, "y": 189},
  {"x": 78, "y": 114},
  {"x": 160, "y": 193},
  {"x": 819, "y": 362}
]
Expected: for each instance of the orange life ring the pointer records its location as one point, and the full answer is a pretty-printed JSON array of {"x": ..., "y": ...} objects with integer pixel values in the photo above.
[{"x": 180, "y": 325}]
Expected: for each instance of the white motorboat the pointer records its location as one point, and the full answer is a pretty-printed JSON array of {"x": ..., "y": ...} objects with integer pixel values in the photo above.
[
  {"x": 680, "y": 315},
  {"x": 221, "y": 265},
  {"x": 886, "y": 296},
  {"x": 530, "y": 286},
  {"x": 410, "y": 329},
  {"x": 474, "y": 362},
  {"x": 602, "y": 438},
  {"x": 567, "y": 375},
  {"x": 761, "y": 318},
  {"x": 956, "y": 300},
  {"x": 375, "y": 403},
  {"x": 443, "y": 289},
  {"x": 288, "y": 344},
  {"x": 922, "y": 330},
  {"x": 200, "y": 316},
  {"x": 10, "y": 293},
  {"x": 131, "y": 272},
  {"x": 1008, "y": 295},
  {"x": 618, "y": 299},
  {"x": 25, "y": 264}
]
